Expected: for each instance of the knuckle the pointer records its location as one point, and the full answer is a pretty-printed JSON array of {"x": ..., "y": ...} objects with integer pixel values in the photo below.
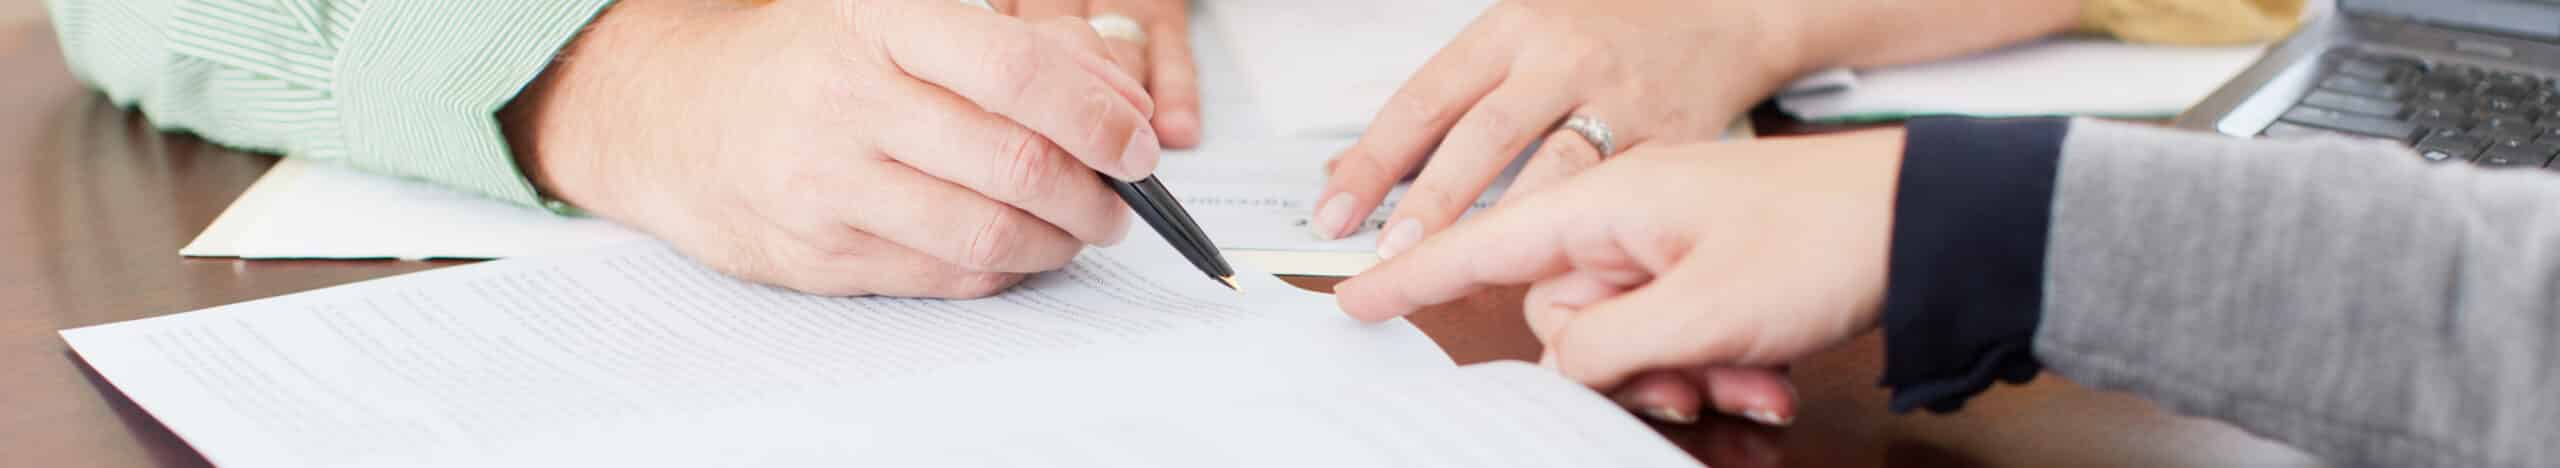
[
  {"x": 1024, "y": 169},
  {"x": 1578, "y": 54},
  {"x": 1014, "y": 65},
  {"x": 839, "y": 244},
  {"x": 1364, "y": 167},
  {"x": 1419, "y": 108},
  {"x": 1105, "y": 128},
  {"x": 994, "y": 241},
  {"x": 1570, "y": 151},
  {"x": 979, "y": 284},
  {"x": 1430, "y": 201},
  {"x": 1491, "y": 123}
]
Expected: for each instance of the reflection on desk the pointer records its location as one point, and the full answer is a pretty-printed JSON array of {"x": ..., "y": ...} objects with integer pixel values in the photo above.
[{"x": 94, "y": 205}]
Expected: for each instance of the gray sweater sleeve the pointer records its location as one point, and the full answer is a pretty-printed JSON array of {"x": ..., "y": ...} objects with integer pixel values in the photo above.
[{"x": 2341, "y": 296}]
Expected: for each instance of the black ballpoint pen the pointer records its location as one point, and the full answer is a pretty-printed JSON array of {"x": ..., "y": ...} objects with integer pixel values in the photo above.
[{"x": 1157, "y": 207}]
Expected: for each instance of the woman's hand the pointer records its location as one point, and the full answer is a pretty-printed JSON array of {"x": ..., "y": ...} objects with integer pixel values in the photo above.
[
  {"x": 907, "y": 148},
  {"x": 1652, "y": 71},
  {"x": 1702, "y": 261},
  {"x": 1158, "y": 54}
]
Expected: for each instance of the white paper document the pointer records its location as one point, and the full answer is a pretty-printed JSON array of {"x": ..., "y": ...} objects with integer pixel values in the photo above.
[
  {"x": 1256, "y": 200},
  {"x": 310, "y": 209},
  {"x": 2069, "y": 76},
  {"x": 634, "y": 355}
]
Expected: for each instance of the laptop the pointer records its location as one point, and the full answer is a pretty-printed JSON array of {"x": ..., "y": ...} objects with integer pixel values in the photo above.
[{"x": 2460, "y": 81}]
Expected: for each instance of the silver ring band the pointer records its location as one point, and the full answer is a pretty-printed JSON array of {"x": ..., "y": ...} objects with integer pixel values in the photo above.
[
  {"x": 1595, "y": 132},
  {"x": 979, "y": 4},
  {"x": 1117, "y": 26}
]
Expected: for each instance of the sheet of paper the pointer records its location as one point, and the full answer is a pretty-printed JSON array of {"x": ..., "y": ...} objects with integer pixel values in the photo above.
[
  {"x": 1255, "y": 199},
  {"x": 2061, "y": 76},
  {"x": 1486, "y": 415},
  {"x": 640, "y": 349},
  {"x": 309, "y": 209},
  {"x": 1321, "y": 68}
]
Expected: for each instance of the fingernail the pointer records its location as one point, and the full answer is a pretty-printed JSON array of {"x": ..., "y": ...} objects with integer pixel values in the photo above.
[
  {"x": 1399, "y": 237},
  {"x": 1669, "y": 415},
  {"x": 1764, "y": 416},
  {"x": 1331, "y": 215},
  {"x": 1574, "y": 297},
  {"x": 1139, "y": 158}
]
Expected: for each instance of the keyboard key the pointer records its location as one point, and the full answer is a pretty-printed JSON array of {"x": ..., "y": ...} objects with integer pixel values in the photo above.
[
  {"x": 2439, "y": 117},
  {"x": 2351, "y": 123},
  {"x": 2459, "y": 80},
  {"x": 2503, "y": 106},
  {"x": 2515, "y": 79},
  {"x": 2518, "y": 153},
  {"x": 2437, "y": 96},
  {"x": 2496, "y": 126},
  {"x": 2357, "y": 104},
  {"x": 2441, "y": 148},
  {"x": 2366, "y": 69},
  {"x": 2510, "y": 91},
  {"x": 2362, "y": 87},
  {"x": 2286, "y": 131},
  {"x": 2394, "y": 60}
]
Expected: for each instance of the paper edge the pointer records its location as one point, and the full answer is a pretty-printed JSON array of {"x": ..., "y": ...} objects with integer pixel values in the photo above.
[{"x": 221, "y": 238}]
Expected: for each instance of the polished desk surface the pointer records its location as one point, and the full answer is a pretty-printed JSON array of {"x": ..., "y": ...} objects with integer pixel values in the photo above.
[{"x": 94, "y": 205}]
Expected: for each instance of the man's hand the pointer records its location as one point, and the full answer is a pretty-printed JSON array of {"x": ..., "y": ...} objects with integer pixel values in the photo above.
[
  {"x": 1690, "y": 270},
  {"x": 1161, "y": 60},
  {"x": 918, "y": 148}
]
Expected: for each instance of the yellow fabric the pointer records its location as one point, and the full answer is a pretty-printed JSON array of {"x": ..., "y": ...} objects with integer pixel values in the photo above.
[{"x": 2191, "y": 22}]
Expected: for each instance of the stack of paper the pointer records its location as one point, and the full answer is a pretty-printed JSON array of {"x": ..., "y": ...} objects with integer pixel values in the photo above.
[{"x": 636, "y": 356}]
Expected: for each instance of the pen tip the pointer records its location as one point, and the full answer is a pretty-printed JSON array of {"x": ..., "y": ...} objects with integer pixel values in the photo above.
[{"x": 1231, "y": 282}]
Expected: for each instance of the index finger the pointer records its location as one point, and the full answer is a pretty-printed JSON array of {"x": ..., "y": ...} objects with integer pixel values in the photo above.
[
  {"x": 1074, "y": 97},
  {"x": 1510, "y": 245},
  {"x": 1407, "y": 126}
]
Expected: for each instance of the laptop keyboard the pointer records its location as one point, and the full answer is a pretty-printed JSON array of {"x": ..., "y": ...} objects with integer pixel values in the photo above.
[{"x": 2447, "y": 112}]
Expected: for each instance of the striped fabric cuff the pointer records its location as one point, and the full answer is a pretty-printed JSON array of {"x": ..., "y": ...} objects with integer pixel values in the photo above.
[{"x": 420, "y": 84}]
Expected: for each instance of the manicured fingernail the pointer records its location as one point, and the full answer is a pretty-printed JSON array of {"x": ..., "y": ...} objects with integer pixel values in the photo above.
[
  {"x": 1139, "y": 158},
  {"x": 1764, "y": 416},
  {"x": 1669, "y": 415},
  {"x": 1332, "y": 215},
  {"x": 1399, "y": 237}
]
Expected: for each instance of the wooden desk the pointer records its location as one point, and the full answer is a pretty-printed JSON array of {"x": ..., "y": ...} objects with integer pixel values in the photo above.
[{"x": 94, "y": 205}]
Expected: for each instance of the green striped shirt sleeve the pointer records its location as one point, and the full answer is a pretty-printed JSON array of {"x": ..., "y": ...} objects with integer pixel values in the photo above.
[{"x": 409, "y": 88}]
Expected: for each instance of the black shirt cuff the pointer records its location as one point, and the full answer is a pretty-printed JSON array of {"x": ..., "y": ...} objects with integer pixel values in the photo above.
[{"x": 1965, "y": 285}]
